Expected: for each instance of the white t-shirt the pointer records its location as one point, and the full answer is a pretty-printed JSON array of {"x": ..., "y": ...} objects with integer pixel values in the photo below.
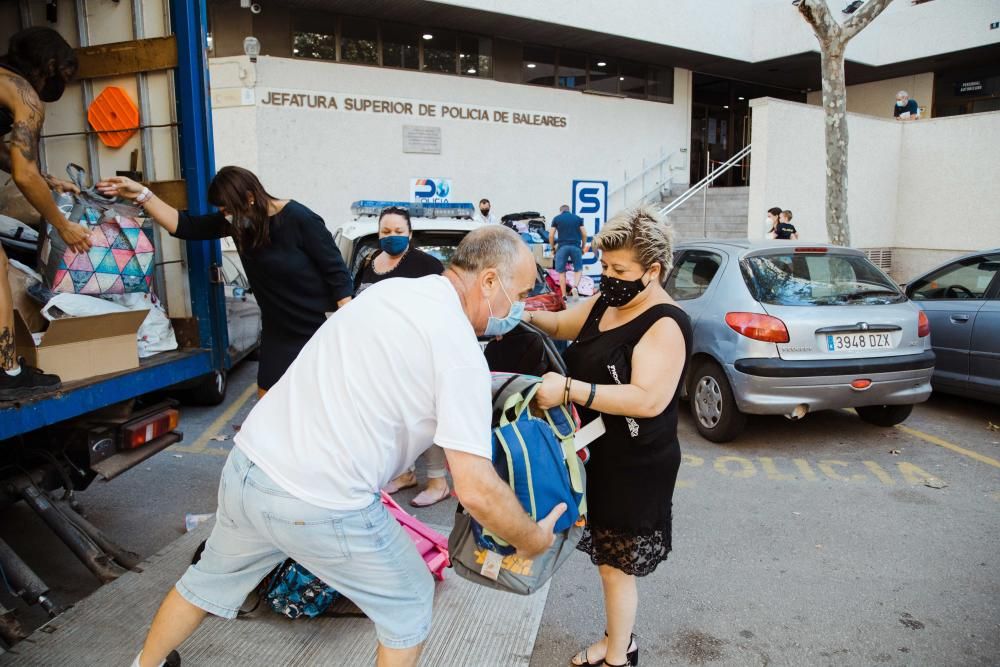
[
  {"x": 485, "y": 219},
  {"x": 384, "y": 378}
]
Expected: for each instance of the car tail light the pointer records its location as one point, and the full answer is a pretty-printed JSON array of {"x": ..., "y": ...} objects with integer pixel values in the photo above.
[
  {"x": 759, "y": 327},
  {"x": 147, "y": 429},
  {"x": 861, "y": 384},
  {"x": 923, "y": 325}
]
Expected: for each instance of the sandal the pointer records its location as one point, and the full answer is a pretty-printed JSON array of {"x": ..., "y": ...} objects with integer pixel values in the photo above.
[
  {"x": 426, "y": 498},
  {"x": 395, "y": 486},
  {"x": 631, "y": 657}
]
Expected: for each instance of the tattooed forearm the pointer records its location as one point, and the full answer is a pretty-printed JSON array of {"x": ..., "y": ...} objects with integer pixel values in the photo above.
[
  {"x": 5, "y": 157},
  {"x": 8, "y": 354},
  {"x": 25, "y": 139}
]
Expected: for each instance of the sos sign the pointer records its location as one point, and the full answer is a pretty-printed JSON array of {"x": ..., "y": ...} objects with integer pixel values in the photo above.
[{"x": 590, "y": 202}]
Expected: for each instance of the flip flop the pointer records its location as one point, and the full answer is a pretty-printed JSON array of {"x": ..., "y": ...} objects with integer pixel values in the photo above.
[
  {"x": 395, "y": 487},
  {"x": 426, "y": 498}
]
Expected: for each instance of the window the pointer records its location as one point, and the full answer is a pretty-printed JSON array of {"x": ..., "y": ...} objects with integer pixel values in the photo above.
[
  {"x": 965, "y": 279},
  {"x": 439, "y": 51},
  {"x": 572, "y": 70},
  {"x": 475, "y": 56},
  {"x": 691, "y": 276},
  {"x": 318, "y": 45},
  {"x": 358, "y": 40},
  {"x": 400, "y": 46},
  {"x": 538, "y": 66},
  {"x": 632, "y": 80},
  {"x": 603, "y": 74},
  {"x": 661, "y": 84},
  {"x": 828, "y": 279}
]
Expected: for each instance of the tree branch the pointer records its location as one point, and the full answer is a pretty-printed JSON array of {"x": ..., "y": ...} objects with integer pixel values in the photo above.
[
  {"x": 817, "y": 14},
  {"x": 863, "y": 17}
]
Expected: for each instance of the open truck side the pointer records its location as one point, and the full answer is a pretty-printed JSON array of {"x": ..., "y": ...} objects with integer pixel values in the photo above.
[{"x": 57, "y": 443}]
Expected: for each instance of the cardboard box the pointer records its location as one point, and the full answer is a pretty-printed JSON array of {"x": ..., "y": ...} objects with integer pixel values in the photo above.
[{"x": 75, "y": 348}]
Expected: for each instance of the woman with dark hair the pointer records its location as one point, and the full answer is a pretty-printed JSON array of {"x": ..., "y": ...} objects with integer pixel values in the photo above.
[
  {"x": 291, "y": 261},
  {"x": 397, "y": 258}
]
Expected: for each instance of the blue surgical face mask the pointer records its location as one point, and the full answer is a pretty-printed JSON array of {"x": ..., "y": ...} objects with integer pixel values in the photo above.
[
  {"x": 394, "y": 245},
  {"x": 498, "y": 326}
]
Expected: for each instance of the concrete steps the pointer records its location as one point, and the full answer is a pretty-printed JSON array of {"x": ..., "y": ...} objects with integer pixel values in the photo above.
[{"x": 719, "y": 213}]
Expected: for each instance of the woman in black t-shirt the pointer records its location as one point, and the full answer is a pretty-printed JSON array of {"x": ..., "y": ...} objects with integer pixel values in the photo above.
[
  {"x": 294, "y": 268},
  {"x": 397, "y": 258}
]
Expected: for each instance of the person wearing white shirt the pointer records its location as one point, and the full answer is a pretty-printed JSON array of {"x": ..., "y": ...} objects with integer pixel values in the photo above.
[
  {"x": 484, "y": 215},
  {"x": 380, "y": 382}
]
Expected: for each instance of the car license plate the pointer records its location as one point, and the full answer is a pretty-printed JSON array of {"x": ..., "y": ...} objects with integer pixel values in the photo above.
[{"x": 858, "y": 341}]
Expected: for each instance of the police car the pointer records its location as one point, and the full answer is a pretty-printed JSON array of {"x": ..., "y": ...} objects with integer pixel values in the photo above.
[{"x": 438, "y": 228}]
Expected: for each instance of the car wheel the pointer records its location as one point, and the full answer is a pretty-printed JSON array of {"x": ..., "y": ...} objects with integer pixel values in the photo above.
[
  {"x": 712, "y": 404},
  {"x": 211, "y": 390},
  {"x": 884, "y": 415}
]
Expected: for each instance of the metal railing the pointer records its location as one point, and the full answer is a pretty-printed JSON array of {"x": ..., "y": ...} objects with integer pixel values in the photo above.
[
  {"x": 702, "y": 185},
  {"x": 657, "y": 175}
]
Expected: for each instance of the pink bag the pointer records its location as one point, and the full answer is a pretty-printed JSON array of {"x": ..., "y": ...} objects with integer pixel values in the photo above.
[{"x": 431, "y": 545}]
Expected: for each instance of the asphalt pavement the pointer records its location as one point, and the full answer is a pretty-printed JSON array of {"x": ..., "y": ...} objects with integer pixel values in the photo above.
[{"x": 821, "y": 542}]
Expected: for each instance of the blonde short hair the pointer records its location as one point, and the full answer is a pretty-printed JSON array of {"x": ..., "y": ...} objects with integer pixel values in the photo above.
[{"x": 645, "y": 233}]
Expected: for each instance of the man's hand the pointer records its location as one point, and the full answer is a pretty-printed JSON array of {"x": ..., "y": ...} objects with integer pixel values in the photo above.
[
  {"x": 60, "y": 185},
  {"x": 77, "y": 237},
  {"x": 546, "y": 534}
]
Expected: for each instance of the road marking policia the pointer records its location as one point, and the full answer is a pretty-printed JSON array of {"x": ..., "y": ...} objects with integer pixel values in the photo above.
[{"x": 798, "y": 469}]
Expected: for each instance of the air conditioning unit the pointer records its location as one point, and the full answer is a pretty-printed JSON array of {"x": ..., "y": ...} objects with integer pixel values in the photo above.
[{"x": 880, "y": 257}]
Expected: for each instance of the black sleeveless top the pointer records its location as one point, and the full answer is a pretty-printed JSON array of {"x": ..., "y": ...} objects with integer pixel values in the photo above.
[{"x": 605, "y": 357}]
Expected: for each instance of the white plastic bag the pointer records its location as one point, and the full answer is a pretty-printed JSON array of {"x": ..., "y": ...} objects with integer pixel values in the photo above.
[
  {"x": 156, "y": 333},
  {"x": 78, "y": 305}
]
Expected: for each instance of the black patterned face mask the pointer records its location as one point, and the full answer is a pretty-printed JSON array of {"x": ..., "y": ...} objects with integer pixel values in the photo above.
[{"x": 617, "y": 292}]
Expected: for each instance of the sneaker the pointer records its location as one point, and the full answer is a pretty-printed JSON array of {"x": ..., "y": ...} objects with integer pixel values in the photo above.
[
  {"x": 29, "y": 382},
  {"x": 173, "y": 659}
]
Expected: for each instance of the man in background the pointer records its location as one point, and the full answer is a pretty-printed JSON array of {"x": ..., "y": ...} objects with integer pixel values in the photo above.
[
  {"x": 567, "y": 237},
  {"x": 485, "y": 216},
  {"x": 905, "y": 109}
]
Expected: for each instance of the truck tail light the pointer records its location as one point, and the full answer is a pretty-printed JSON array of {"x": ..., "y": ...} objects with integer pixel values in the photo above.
[
  {"x": 923, "y": 325},
  {"x": 759, "y": 327},
  {"x": 138, "y": 433}
]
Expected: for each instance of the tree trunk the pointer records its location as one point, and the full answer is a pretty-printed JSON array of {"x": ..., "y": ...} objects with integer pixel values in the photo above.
[{"x": 835, "y": 106}]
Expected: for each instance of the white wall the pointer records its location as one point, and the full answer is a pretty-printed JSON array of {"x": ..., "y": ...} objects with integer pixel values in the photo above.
[
  {"x": 327, "y": 159},
  {"x": 928, "y": 188},
  {"x": 758, "y": 30},
  {"x": 877, "y": 98}
]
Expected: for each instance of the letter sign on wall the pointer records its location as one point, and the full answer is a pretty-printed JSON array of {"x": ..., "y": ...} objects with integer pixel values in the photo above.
[{"x": 590, "y": 202}]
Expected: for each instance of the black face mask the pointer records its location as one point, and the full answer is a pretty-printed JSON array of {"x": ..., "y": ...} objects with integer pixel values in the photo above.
[
  {"x": 52, "y": 89},
  {"x": 617, "y": 292}
]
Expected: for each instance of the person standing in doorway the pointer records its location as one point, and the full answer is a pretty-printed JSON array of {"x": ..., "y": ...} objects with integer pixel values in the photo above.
[
  {"x": 905, "y": 109},
  {"x": 484, "y": 215},
  {"x": 567, "y": 236}
]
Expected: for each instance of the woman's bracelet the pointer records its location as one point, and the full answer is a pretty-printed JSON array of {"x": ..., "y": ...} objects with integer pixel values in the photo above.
[
  {"x": 569, "y": 381},
  {"x": 144, "y": 196},
  {"x": 593, "y": 395}
]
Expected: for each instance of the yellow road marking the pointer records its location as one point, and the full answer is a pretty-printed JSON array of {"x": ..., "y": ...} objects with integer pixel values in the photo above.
[
  {"x": 201, "y": 444},
  {"x": 934, "y": 440}
]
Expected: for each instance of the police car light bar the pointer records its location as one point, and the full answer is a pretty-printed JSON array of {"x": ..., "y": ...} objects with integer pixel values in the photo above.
[{"x": 416, "y": 209}]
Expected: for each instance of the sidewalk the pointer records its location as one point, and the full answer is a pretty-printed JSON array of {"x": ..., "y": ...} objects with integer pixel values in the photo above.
[{"x": 472, "y": 626}]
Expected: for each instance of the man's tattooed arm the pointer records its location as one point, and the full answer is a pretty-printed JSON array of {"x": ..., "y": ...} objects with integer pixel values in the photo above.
[{"x": 8, "y": 353}]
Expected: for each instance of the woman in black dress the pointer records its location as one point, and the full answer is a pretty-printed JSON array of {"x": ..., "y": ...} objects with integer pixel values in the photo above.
[
  {"x": 397, "y": 258},
  {"x": 630, "y": 348},
  {"x": 293, "y": 266}
]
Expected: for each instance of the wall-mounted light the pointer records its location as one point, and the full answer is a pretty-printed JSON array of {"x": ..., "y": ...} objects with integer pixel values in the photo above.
[
  {"x": 531, "y": 65},
  {"x": 471, "y": 70},
  {"x": 251, "y": 47},
  {"x": 621, "y": 78},
  {"x": 725, "y": 106},
  {"x": 427, "y": 35},
  {"x": 602, "y": 64},
  {"x": 741, "y": 98}
]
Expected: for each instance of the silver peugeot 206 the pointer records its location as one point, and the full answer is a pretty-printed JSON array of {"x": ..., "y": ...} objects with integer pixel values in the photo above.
[{"x": 787, "y": 328}]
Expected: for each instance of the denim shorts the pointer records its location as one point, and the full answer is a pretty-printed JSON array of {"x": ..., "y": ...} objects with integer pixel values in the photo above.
[
  {"x": 567, "y": 253},
  {"x": 365, "y": 555}
]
